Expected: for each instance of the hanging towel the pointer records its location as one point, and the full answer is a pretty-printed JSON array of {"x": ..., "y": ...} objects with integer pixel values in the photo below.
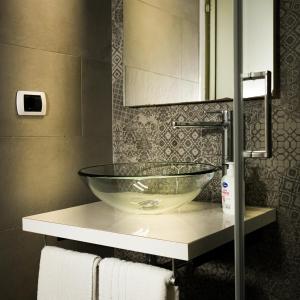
[
  {"x": 67, "y": 275},
  {"x": 122, "y": 280}
]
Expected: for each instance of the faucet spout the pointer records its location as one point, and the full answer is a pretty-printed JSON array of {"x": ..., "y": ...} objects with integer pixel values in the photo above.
[
  {"x": 209, "y": 125},
  {"x": 227, "y": 130}
]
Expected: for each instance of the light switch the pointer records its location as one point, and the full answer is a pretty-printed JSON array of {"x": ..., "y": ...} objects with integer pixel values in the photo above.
[{"x": 31, "y": 103}]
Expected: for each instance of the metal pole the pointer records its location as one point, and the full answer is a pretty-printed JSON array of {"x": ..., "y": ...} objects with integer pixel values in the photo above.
[{"x": 238, "y": 125}]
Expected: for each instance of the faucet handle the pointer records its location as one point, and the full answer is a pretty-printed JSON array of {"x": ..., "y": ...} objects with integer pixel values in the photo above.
[{"x": 223, "y": 113}]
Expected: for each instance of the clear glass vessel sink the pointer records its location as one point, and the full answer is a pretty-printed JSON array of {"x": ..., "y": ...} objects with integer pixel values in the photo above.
[{"x": 148, "y": 188}]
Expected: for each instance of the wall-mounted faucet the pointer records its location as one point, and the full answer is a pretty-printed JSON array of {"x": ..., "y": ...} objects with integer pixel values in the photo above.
[{"x": 225, "y": 124}]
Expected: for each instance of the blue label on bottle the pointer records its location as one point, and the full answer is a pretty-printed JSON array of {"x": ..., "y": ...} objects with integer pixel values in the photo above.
[{"x": 225, "y": 184}]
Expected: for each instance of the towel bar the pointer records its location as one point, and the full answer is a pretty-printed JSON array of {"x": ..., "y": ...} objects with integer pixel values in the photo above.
[
  {"x": 191, "y": 265},
  {"x": 152, "y": 260},
  {"x": 172, "y": 280},
  {"x": 45, "y": 240},
  {"x": 171, "y": 264}
]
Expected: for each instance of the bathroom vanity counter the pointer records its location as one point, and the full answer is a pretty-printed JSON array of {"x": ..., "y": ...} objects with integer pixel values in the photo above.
[{"x": 184, "y": 234}]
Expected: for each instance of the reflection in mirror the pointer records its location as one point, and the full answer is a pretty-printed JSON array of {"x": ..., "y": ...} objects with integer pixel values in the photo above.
[
  {"x": 179, "y": 51},
  {"x": 258, "y": 46},
  {"x": 167, "y": 51}
]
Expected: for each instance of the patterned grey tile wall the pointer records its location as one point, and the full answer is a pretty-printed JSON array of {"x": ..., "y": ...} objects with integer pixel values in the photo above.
[{"x": 145, "y": 134}]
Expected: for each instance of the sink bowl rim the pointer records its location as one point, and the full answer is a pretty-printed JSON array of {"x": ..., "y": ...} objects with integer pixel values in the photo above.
[{"x": 210, "y": 169}]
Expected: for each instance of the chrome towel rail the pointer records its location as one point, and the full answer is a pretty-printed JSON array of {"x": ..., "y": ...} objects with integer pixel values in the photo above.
[{"x": 267, "y": 152}]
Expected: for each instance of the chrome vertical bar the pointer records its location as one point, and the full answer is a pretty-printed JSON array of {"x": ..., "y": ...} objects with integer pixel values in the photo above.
[
  {"x": 268, "y": 114},
  {"x": 238, "y": 144},
  {"x": 267, "y": 152}
]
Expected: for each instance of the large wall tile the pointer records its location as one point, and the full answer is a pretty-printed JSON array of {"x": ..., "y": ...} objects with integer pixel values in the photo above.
[
  {"x": 54, "y": 46},
  {"x": 153, "y": 88},
  {"x": 190, "y": 52},
  {"x": 187, "y": 9},
  {"x": 20, "y": 254},
  {"x": 74, "y": 27},
  {"x": 40, "y": 174},
  {"x": 161, "y": 52},
  {"x": 96, "y": 98},
  {"x": 148, "y": 46},
  {"x": 57, "y": 75}
]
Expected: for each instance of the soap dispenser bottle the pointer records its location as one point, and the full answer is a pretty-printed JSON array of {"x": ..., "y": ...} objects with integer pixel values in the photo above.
[{"x": 227, "y": 190}]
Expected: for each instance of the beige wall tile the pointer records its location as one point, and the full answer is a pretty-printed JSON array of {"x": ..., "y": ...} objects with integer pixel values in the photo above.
[
  {"x": 20, "y": 255},
  {"x": 76, "y": 27},
  {"x": 57, "y": 75},
  {"x": 151, "y": 88},
  {"x": 224, "y": 73},
  {"x": 40, "y": 174},
  {"x": 190, "y": 51},
  {"x": 161, "y": 42},
  {"x": 41, "y": 42},
  {"x": 96, "y": 98},
  {"x": 152, "y": 39},
  {"x": 186, "y": 9}
]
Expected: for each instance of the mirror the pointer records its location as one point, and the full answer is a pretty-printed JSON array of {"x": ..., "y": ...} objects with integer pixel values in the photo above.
[
  {"x": 181, "y": 51},
  {"x": 258, "y": 46}
]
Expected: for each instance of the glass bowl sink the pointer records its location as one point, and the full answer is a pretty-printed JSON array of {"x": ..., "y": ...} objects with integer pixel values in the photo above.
[{"x": 148, "y": 188}]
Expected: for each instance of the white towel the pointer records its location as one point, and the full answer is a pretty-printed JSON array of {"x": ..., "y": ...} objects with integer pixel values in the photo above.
[
  {"x": 122, "y": 280},
  {"x": 67, "y": 275}
]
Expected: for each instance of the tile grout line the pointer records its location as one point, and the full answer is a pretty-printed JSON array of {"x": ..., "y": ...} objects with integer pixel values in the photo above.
[
  {"x": 81, "y": 98},
  {"x": 51, "y": 136},
  {"x": 51, "y": 51},
  {"x": 38, "y": 49},
  {"x": 11, "y": 229}
]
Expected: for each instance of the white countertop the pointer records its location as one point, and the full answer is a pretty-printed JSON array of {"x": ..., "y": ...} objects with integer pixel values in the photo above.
[{"x": 187, "y": 233}]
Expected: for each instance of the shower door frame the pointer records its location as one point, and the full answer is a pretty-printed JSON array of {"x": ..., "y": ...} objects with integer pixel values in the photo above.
[{"x": 238, "y": 144}]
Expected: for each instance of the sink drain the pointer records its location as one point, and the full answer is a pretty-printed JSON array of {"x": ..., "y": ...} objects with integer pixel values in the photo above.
[{"x": 148, "y": 204}]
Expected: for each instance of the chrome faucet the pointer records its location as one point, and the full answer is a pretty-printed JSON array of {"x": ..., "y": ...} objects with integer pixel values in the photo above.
[{"x": 225, "y": 124}]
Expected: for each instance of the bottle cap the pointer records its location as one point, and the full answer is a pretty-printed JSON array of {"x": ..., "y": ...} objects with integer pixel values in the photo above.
[{"x": 230, "y": 168}]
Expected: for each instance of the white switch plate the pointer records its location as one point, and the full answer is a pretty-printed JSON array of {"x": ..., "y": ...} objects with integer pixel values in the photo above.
[{"x": 20, "y": 103}]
